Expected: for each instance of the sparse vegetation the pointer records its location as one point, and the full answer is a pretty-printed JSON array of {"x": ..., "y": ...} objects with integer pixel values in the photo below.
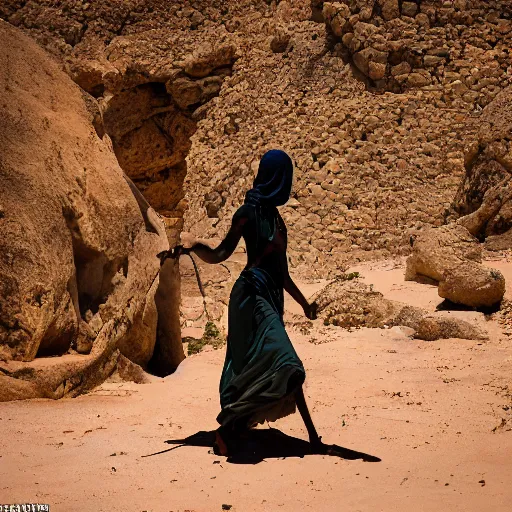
[
  {"x": 348, "y": 277},
  {"x": 211, "y": 336}
]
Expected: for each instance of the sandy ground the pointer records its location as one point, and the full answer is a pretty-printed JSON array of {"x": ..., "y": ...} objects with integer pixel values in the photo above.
[{"x": 437, "y": 414}]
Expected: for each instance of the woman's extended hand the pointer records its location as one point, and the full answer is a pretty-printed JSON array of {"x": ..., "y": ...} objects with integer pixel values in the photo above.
[
  {"x": 311, "y": 311},
  {"x": 179, "y": 250},
  {"x": 172, "y": 253}
]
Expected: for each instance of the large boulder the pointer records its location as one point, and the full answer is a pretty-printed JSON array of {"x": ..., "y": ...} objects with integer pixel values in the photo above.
[
  {"x": 436, "y": 249},
  {"x": 473, "y": 285},
  {"x": 431, "y": 326},
  {"x": 78, "y": 272},
  {"x": 451, "y": 256},
  {"x": 488, "y": 163}
]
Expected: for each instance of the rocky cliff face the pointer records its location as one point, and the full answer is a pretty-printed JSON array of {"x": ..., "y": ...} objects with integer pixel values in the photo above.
[
  {"x": 78, "y": 271},
  {"x": 488, "y": 163},
  {"x": 373, "y": 99}
]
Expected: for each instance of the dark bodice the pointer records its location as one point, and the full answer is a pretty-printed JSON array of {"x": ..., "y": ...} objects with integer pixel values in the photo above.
[{"x": 265, "y": 239}]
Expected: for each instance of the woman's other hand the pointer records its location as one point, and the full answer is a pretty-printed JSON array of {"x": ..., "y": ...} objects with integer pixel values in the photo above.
[
  {"x": 311, "y": 311},
  {"x": 172, "y": 253}
]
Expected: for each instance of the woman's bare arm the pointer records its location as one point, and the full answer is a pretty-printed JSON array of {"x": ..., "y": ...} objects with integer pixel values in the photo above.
[
  {"x": 226, "y": 248},
  {"x": 293, "y": 290},
  {"x": 295, "y": 293}
]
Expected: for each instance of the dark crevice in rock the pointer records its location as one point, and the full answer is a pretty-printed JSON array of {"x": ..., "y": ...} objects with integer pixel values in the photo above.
[
  {"x": 94, "y": 271},
  {"x": 151, "y": 126},
  {"x": 316, "y": 11},
  {"x": 55, "y": 341},
  {"x": 119, "y": 31},
  {"x": 151, "y": 139},
  {"x": 74, "y": 37},
  {"x": 97, "y": 91},
  {"x": 168, "y": 351}
]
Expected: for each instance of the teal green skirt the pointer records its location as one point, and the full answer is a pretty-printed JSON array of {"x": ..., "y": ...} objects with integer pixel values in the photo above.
[{"x": 262, "y": 370}]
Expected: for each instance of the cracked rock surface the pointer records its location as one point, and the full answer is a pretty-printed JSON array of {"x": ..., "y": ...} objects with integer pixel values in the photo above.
[{"x": 78, "y": 272}]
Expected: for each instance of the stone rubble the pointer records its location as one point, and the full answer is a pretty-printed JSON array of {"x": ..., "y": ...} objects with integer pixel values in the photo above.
[
  {"x": 396, "y": 46},
  {"x": 351, "y": 304}
]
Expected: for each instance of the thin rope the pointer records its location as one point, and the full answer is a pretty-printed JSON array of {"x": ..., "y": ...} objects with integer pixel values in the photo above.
[{"x": 200, "y": 285}]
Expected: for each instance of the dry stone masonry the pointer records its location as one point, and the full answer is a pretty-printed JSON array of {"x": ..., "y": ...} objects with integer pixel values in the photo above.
[
  {"x": 370, "y": 168},
  {"x": 462, "y": 45}
]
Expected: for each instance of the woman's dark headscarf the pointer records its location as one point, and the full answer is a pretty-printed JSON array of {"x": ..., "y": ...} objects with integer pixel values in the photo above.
[{"x": 273, "y": 184}]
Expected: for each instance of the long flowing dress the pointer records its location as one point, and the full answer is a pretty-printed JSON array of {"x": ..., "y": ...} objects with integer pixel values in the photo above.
[{"x": 261, "y": 370}]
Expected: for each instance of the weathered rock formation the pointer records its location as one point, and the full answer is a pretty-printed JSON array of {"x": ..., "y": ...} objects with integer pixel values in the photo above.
[
  {"x": 487, "y": 185},
  {"x": 352, "y": 304},
  {"x": 151, "y": 112},
  {"x": 78, "y": 271},
  {"x": 451, "y": 256},
  {"x": 368, "y": 167},
  {"x": 153, "y": 68}
]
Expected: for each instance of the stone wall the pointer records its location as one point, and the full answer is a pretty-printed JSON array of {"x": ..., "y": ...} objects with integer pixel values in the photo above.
[
  {"x": 370, "y": 168},
  {"x": 459, "y": 44}
]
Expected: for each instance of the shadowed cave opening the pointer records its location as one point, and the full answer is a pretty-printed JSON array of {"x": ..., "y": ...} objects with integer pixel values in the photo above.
[
  {"x": 151, "y": 126},
  {"x": 94, "y": 280}
]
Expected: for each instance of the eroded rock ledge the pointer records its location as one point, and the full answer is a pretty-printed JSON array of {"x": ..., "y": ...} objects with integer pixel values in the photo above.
[{"x": 78, "y": 274}]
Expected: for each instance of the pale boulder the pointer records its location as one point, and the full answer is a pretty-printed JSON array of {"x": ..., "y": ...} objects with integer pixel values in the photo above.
[
  {"x": 78, "y": 266},
  {"x": 473, "y": 285},
  {"x": 437, "y": 249},
  {"x": 451, "y": 256}
]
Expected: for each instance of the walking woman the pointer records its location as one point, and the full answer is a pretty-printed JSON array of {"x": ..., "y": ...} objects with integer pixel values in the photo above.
[{"x": 262, "y": 376}]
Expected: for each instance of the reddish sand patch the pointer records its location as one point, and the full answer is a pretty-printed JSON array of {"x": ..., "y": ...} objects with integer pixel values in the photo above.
[{"x": 438, "y": 414}]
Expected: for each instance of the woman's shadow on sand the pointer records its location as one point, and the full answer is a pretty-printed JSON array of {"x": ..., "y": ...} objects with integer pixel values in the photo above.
[{"x": 261, "y": 444}]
